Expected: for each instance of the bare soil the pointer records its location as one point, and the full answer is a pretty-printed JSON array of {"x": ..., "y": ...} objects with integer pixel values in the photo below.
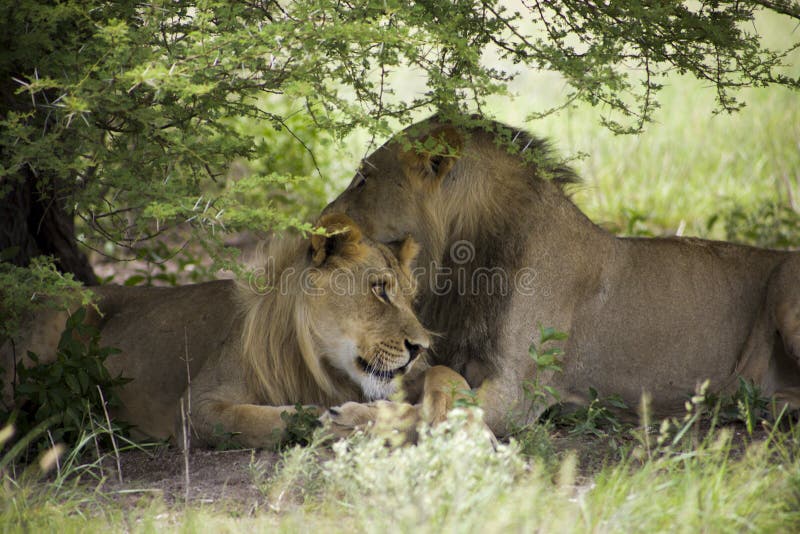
[{"x": 216, "y": 478}]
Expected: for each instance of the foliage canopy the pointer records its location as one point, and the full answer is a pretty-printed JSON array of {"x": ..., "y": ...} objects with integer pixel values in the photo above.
[{"x": 129, "y": 115}]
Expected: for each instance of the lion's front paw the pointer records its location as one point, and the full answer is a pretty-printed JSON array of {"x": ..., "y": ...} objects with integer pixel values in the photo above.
[
  {"x": 350, "y": 417},
  {"x": 394, "y": 421}
]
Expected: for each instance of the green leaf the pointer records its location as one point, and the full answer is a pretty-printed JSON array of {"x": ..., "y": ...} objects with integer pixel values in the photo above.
[
  {"x": 72, "y": 382},
  {"x": 83, "y": 379},
  {"x": 135, "y": 279},
  {"x": 617, "y": 402},
  {"x": 551, "y": 334}
]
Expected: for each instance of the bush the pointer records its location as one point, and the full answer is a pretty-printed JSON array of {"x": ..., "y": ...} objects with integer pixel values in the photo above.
[{"x": 68, "y": 394}]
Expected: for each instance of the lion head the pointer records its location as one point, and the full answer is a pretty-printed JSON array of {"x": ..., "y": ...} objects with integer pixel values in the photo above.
[
  {"x": 343, "y": 304},
  {"x": 430, "y": 182}
]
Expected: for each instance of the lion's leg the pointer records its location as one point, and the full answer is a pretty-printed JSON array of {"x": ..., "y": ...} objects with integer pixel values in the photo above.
[
  {"x": 502, "y": 396},
  {"x": 219, "y": 423},
  {"x": 443, "y": 390},
  {"x": 220, "y": 410},
  {"x": 395, "y": 420},
  {"x": 784, "y": 299}
]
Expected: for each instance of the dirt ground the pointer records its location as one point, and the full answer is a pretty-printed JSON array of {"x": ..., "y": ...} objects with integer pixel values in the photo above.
[{"x": 216, "y": 478}]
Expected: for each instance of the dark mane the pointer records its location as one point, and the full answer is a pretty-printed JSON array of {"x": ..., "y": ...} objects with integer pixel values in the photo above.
[{"x": 535, "y": 151}]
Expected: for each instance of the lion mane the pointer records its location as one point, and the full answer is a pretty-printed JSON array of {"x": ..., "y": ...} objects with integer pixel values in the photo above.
[{"x": 279, "y": 343}]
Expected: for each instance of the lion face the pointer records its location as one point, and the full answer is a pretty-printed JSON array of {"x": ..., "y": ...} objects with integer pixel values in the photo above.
[
  {"x": 361, "y": 302},
  {"x": 397, "y": 188}
]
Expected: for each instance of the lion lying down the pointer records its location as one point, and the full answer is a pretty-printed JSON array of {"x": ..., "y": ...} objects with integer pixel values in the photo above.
[
  {"x": 507, "y": 252},
  {"x": 335, "y": 325}
]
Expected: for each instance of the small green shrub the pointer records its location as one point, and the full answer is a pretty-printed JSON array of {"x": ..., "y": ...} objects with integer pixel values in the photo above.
[
  {"x": 300, "y": 426},
  {"x": 548, "y": 361},
  {"x": 69, "y": 392},
  {"x": 770, "y": 224},
  {"x": 746, "y": 405},
  {"x": 598, "y": 418},
  {"x": 534, "y": 438},
  {"x": 535, "y": 441}
]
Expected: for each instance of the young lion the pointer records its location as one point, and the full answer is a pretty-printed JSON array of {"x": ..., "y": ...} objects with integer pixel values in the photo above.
[{"x": 334, "y": 324}]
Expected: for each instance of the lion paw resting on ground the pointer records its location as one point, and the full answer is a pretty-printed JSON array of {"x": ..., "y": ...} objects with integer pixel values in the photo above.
[
  {"x": 442, "y": 389},
  {"x": 333, "y": 325}
]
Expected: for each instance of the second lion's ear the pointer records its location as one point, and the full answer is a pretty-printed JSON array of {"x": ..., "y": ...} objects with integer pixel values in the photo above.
[
  {"x": 442, "y": 148},
  {"x": 342, "y": 240},
  {"x": 408, "y": 253}
]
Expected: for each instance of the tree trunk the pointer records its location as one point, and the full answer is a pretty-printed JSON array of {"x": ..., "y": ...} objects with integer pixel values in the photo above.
[
  {"x": 32, "y": 224},
  {"x": 34, "y": 219}
]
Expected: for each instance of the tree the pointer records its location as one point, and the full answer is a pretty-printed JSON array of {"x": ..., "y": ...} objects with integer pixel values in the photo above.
[{"x": 125, "y": 116}]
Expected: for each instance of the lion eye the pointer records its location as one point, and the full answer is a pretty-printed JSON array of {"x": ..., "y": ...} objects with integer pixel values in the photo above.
[{"x": 379, "y": 289}]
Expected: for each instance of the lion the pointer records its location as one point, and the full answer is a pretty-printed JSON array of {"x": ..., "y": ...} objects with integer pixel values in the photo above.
[
  {"x": 334, "y": 324},
  {"x": 487, "y": 203}
]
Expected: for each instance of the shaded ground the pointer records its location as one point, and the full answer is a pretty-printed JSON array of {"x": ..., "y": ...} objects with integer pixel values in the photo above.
[{"x": 218, "y": 478}]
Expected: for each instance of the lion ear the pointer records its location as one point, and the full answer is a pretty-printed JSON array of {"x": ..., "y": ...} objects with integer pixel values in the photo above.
[
  {"x": 342, "y": 239},
  {"x": 442, "y": 148},
  {"x": 406, "y": 252}
]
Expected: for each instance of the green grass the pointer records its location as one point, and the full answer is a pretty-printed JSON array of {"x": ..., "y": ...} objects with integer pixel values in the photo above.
[
  {"x": 690, "y": 164},
  {"x": 454, "y": 481}
]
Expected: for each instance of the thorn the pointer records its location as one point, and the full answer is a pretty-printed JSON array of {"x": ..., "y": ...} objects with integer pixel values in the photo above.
[{"x": 527, "y": 145}]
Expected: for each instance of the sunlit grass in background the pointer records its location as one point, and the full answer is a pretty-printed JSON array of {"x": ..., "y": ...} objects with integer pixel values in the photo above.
[{"x": 687, "y": 166}]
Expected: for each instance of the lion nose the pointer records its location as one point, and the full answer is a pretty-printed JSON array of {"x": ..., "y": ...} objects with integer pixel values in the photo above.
[{"x": 413, "y": 348}]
